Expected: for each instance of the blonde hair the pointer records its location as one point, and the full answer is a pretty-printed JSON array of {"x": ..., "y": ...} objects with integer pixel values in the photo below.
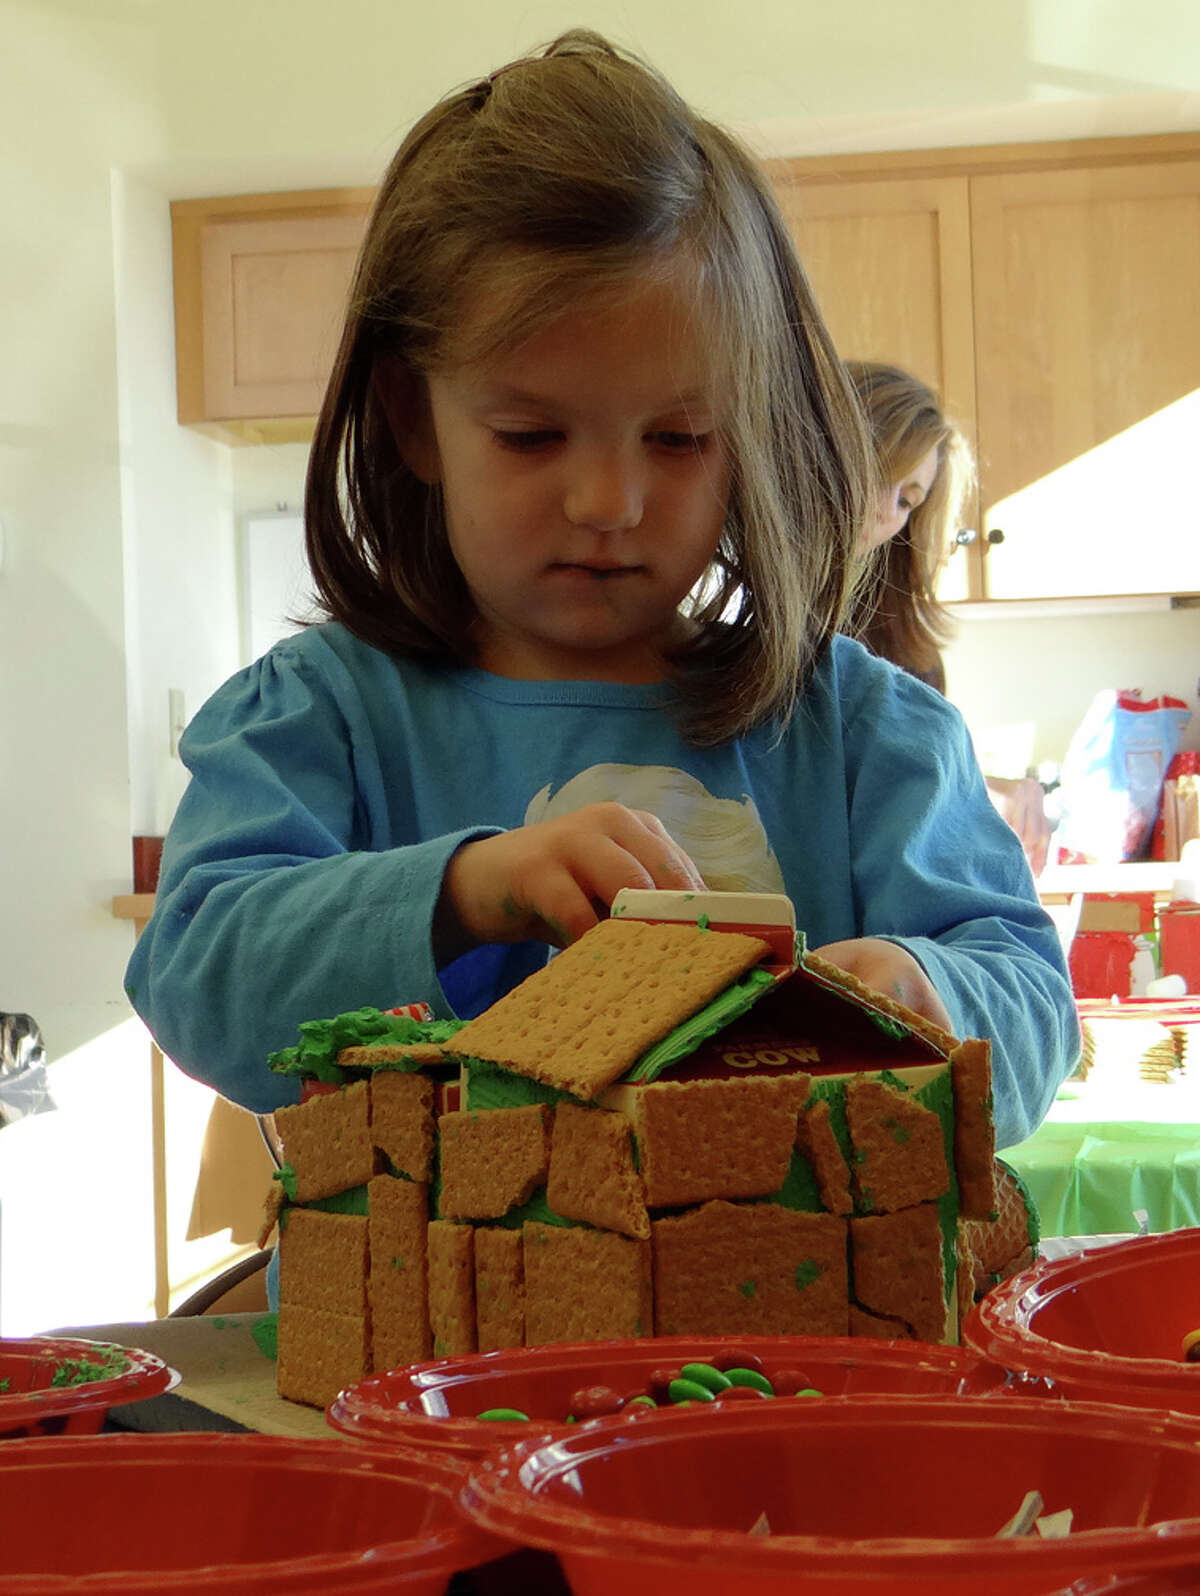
[
  {"x": 571, "y": 173},
  {"x": 896, "y": 611}
]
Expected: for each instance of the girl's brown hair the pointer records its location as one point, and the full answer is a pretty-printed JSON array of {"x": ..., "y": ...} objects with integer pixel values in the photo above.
[
  {"x": 568, "y": 174},
  {"x": 896, "y": 611}
]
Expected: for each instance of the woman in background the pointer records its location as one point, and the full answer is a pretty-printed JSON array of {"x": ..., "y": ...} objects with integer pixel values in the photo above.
[{"x": 926, "y": 472}]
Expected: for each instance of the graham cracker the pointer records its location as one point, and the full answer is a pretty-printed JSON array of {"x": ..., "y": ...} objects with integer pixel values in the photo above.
[
  {"x": 491, "y": 1159},
  {"x": 717, "y": 1138},
  {"x": 273, "y": 1204},
  {"x": 319, "y": 1354},
  {"x": 323, "y": 1261},
  {"x": 877, "y": 1326},
  {"x": 909, "y": 1018},
  {"x": 585, "y": 1285},
  {"x": 587, "y": 1016},
  {"x": 499, "y": 1288},
  {"x": 402, "y": 1121},
  {"x": 592, "y": 1176},
  {"x": 327, "y": 1142},
  {"x": 964, "y": 1280},
  {"x": 998, "y": 1247},
  {"x": 815, "y": 1138},
  {"x": 897, "y": 1269},
  {"x": 451, "y": 1263},
  {"x": 974, "y": 1128},
  {"x": 899, "y": 1147},
  {"x": 397, "y": 1230},
  {"x": 384, "y": 1053},
  {"x": 750, "y": 1269}
]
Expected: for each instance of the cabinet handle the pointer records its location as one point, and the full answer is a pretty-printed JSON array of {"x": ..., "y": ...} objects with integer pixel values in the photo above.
[
  {"x": 995, "y": 536},
  {"x": 965, "y": 535}
]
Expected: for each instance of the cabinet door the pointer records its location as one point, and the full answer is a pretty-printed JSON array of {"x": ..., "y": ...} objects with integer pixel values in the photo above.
[
  {"x": 260, "y": 289},
  {"x": 274, "y": 295},
  {"x": 1087, "y": 315},
  {"x": 890, "y": 263}
]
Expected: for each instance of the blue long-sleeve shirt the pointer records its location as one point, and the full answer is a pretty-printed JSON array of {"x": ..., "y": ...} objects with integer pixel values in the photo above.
[{"x": 331, "y": 783}]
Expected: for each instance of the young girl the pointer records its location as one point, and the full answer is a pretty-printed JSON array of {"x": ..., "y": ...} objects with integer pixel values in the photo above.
[
  {"x": 926, "y": 471},
  {"x": 583, "y": 508}
]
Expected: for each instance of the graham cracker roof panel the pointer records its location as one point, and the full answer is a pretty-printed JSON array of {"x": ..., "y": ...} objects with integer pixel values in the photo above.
[{"x": 583, "y": 1020}]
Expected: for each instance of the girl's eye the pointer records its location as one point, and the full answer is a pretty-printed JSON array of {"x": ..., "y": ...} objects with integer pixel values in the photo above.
[
  {"x": 524, "y": 442},
  {"x": 683, "y": 442}
]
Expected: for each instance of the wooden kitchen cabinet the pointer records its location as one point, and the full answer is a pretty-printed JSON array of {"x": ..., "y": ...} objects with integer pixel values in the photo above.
[
  {"x": 1051, "y": 293},
  {"x": 260, "y": 288}
]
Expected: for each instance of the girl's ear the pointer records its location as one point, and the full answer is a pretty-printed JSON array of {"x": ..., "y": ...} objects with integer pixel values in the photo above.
[{"x": 404, "y": 400}]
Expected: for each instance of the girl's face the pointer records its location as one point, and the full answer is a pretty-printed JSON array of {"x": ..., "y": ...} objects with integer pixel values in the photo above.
[
  {"x": 585, "y": 486},
  {"x": 901, "y": 499}
]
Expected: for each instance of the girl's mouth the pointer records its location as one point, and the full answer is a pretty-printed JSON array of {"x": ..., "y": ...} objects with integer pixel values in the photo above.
[{"x": 599, "y": 573}]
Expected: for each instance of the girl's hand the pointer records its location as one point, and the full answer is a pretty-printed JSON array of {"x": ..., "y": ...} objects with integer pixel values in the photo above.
[
  {"x": 554, "y": 880},
  {"x": 892, "y": 970}
]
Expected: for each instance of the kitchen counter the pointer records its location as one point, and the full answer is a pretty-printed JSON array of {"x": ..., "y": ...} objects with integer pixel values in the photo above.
[{"x": 1060, "y": 883}]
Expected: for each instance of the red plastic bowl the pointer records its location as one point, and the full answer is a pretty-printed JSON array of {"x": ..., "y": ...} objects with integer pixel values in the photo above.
[
  {"x": 1104, "y": 1326},
  {"x": 59, "y": 1386},
  {"x": 895, "y": 1495},
  {"x": 229, "y": 1514},
  {"x": 434, "y": 1405}
]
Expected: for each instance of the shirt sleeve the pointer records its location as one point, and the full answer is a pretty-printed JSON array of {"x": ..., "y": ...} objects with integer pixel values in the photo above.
[
  {"x": 938, "y": 871},
  {"x": 283, "y": 896}
]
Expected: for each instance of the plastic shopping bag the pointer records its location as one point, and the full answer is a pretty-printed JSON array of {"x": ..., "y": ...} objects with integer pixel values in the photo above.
[{"x": 1112, "y": 776}]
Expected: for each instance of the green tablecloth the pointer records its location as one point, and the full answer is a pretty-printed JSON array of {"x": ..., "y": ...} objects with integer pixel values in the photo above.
[{"x": 1088, "y": 1178}]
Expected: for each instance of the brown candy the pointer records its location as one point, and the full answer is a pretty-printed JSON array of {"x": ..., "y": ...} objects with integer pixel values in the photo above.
[
  {"x": 592, "y": 1401},
  {"x": 788, "y": 1381},
  {"x": 660, "y": 1378}
]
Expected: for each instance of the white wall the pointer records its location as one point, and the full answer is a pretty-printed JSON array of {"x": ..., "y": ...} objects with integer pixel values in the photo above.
[
  {"x": 180, "y": 570},
  {"x": 76, "y": 102},
  {"x": 120, "y": 579}
]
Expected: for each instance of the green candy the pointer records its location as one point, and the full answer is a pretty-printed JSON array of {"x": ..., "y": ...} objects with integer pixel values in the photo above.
[
  {"x": 706, "y": 1375},
  {"x": 689, "y": 1391},
  {"x": 750, "y": 1377},
  {"x": 810, "y": 1390},
  {"x": 503, "y": 1415},
  {"x": 641, "y": 1402}
]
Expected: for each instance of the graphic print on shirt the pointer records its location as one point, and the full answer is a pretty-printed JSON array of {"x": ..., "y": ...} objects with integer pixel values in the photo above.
[{"x": 724, "y": 836}]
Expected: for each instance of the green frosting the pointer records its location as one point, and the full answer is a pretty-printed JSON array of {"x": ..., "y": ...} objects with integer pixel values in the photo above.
[
  {"x": 82, "y": 1371},
  {"x": 706, "y": 1022},
  {"x": 536, "y": 1209},
  {"x": 315, "y": 1055},
  {"x": 799, "y": 1190},
  {"x": 265, "y": 1332},
  {"x": 489, "y": 1086},
  {"x": 286, "y": 1176},
  {"x": 351, "y": 1201}
]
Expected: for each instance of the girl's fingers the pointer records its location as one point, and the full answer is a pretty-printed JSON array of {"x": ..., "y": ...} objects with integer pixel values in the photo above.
[
  {"x": 555, "y": 879},
  {"x": 888, "y": 968},
  {"x": 666, "y": 862}
]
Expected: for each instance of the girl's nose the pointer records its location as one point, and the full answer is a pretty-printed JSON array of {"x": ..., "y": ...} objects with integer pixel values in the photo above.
[{"x": 606, "y": 492}]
